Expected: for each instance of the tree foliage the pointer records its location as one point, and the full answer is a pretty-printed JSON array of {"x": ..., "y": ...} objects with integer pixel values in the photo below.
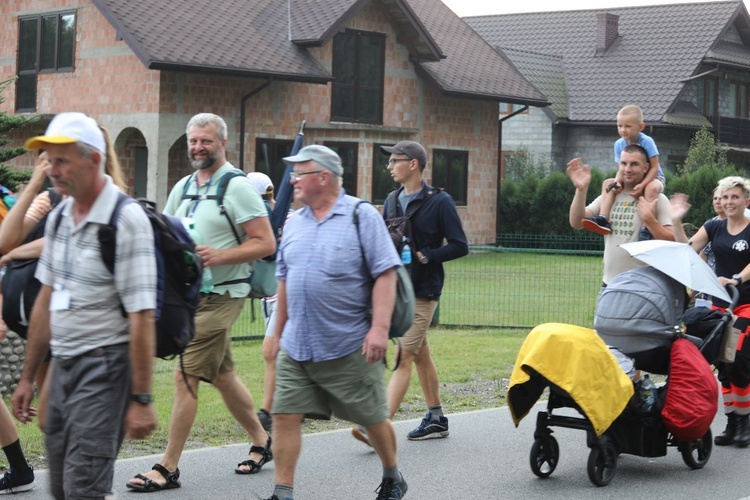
[
  {"x": 704, "y": 153},
  {"x": 10, "y": 177}
]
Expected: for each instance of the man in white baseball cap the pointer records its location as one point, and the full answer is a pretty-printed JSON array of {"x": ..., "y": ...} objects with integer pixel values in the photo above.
[
  {"x": 102, "y": 358},
  {"x": 70, "y": 128}
]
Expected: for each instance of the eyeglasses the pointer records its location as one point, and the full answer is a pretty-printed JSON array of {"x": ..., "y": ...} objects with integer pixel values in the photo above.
[
  {"x": 297, "y": 176},
  {"x": 394, "y": 160}
]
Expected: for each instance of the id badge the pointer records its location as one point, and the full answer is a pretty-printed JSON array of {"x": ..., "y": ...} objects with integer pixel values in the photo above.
[{"x": 60, "y": 300}]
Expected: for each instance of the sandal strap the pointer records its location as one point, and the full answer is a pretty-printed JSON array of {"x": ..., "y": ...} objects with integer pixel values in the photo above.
[
  {"x": 162, "y": 470},
  {"x": 257, "y": 449}
]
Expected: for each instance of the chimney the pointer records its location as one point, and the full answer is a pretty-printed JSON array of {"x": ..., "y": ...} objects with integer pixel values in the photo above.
[{"x": 606, "y": 31}]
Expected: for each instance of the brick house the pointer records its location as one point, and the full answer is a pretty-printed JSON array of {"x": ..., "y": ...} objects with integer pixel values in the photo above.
[
  {"x": 694, "y": 62},
  {"x": 360, "y": 73}
]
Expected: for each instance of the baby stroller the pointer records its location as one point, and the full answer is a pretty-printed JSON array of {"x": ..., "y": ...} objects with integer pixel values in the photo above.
[{"x": 564, "y": 359}]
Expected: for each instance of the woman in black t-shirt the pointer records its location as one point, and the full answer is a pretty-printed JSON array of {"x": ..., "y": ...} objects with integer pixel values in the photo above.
[{"x": 730, "y": 242}]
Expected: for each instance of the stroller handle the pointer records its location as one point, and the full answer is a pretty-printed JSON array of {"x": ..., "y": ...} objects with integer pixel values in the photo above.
[{"x": 735, "y": 295}]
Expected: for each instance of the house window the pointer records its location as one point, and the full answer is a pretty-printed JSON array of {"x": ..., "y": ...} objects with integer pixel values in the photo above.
[
  {"x": 348, "y": 151},
  {"x": 450, "y": 171},
  {"x": 268, "y": 158},
  {"x": 507, "y": 108},
  {"x": 382, "y": 182},
  {"x": 708, "y": 97},
  {"x": 358, "y": 69},
  {"x": 46, "y": 43},
  {"x": 738, "y": 100}
]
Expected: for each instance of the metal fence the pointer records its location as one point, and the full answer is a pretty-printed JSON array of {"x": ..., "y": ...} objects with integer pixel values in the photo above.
[{"x": 525, "y": 281}]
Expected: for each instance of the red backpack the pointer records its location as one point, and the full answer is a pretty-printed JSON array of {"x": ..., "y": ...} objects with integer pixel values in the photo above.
[{"x": 692, "y": 393}]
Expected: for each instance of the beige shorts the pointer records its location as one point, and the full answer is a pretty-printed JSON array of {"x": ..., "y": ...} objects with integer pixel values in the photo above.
[
  {"x": 416, "y": 336},
  {"x": 209, "y": 353},
  {"x": 347, "y": 387}
]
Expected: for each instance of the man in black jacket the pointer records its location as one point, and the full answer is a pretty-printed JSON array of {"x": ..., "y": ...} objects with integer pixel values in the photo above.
[{"x": 435, "y": 222}]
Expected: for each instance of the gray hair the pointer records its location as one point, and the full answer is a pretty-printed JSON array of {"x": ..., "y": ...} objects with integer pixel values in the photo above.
[
  {"x": 735, "y": 181},
  {"x": 86, "y": 150},
  {"x": 205, "y": 119}
]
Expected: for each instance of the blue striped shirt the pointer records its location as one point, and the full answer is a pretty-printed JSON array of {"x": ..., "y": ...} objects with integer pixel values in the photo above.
[{"x": 328, "y": 288}]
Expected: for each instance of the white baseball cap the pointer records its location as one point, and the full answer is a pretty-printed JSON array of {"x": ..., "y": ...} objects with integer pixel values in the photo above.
[
  {"x": 69, "y": 128},
  {"x": 261, "y": 182}
]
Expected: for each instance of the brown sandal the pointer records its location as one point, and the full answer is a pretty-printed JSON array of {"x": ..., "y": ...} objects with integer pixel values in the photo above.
[
  {"x": 149, "y": 485},
  {"x": 255, "y": 467}
]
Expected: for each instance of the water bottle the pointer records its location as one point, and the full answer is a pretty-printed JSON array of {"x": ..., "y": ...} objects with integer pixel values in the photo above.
[
  {"x": 406, "y": 254},
  {"x": 207, "y": 282},
  {"x": 648, "y": 393}
]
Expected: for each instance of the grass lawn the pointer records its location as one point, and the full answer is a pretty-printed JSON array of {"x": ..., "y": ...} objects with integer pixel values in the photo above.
[
  {"x": 517, "y": 289},
  {"x": 474, "y": 367}
]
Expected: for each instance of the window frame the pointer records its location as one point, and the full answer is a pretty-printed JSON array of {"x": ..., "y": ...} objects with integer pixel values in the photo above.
[
  {"x": 357, "y": 89},
  {"x": 351, "y": 172},
  {"x": 278, "y": 149},
  {"x": 379, "y": 162},
  {"x": 39, "y": 47},
  {"x": 460, "y": 198}
]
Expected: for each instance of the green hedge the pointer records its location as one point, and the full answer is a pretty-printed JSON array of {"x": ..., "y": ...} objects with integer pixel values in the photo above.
[{"x": 540, "y": 206}]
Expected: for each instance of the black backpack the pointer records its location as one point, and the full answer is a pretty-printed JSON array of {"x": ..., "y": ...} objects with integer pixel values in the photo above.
[
  {"x": 179, "y": 272},
  {"x": 399, "y": 227},
  {"x": 20, "y": 287}
]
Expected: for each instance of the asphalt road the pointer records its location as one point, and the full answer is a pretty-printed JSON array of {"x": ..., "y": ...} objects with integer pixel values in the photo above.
[{"x": 484, "y": 457}]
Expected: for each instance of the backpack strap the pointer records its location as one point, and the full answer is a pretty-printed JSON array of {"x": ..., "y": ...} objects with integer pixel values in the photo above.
[
  {"x": 355, "y": 218},
  {"x": 221, "y": 190},
  {"x": 108, "y": 234},
  {"x": 54, "y": 197}
]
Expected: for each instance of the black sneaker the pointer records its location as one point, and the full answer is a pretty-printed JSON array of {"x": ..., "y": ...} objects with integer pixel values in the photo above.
[
  {"x": 13, "y": 482},
  {"x": 392, "y": 490},
  {"x": 429, "y": 429},
  {"x": 598, "y": 225},
  {"x": 266, "y": 420},
  {"x": 645, "y": 234}
]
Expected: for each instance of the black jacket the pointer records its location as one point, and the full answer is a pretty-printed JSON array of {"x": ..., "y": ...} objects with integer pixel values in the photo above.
[{"x": 435, "y": 222}]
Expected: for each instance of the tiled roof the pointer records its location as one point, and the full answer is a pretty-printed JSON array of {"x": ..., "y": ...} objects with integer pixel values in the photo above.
[
  {"x": 267, "y": 38},
  {"x": 730, "y": 53},
  {"x": 687, "y": 115},
  {"x": 547, "y": 73},
  {"x": 664, "y": 43},
  {"x": 471, "y": 66},
  {"x": 229, "y": 36}
]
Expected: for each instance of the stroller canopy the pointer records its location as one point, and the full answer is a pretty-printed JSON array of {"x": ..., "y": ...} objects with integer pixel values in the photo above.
[
  {"x": 640, "y": 310},
  {"x": 576, "y": 360}
]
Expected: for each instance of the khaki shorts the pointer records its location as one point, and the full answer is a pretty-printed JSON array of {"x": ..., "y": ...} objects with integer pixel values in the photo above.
[
  {"x": 209, "y": 353},
  {"x": 347, "y": 387},
  {"x": 416, "y": 336}
]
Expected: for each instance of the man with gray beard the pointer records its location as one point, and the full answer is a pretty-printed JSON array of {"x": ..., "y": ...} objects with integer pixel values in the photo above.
[{"x": 208, "y": 357}]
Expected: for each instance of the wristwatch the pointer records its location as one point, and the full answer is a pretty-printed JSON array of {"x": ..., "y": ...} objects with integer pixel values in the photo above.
[
  {"x": 423, "y": 259},
  {"x": 144, "y": 399},
  {"x": 738, "y": 278}
]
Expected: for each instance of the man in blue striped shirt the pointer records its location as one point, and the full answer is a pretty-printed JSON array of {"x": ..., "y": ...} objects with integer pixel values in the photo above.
[{"x": 335, "y": 302}]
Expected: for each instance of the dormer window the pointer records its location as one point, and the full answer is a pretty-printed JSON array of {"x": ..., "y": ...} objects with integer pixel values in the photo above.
[{"x": 358, "y": 69}]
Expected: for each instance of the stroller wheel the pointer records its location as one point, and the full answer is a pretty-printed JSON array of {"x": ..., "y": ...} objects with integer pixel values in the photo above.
[
  {"x": 602, "y": 462},
  {"x": 544, "y": 455},
  {"x": 696, "y": 453}
]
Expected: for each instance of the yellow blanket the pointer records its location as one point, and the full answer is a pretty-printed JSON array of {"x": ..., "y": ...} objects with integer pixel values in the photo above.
[{"x": 576, "y": 360}]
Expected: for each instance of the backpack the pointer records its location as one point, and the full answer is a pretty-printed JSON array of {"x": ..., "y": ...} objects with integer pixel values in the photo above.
[
  {"x": 179, "y": 272},
  {"x": 403, "y": 311},
  {"x": 262, "y": 279},
  {"x": 400, "y": 227},
  {"x": 692, "y": 393},
  {"x": 20, "y": 287}
]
